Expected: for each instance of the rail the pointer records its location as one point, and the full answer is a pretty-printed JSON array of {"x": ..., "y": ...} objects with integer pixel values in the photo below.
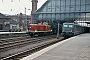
[{"x": 34, "y": 49}]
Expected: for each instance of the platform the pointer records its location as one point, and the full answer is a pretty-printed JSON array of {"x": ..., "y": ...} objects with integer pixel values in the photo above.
[{"x": 74, "y": 48}]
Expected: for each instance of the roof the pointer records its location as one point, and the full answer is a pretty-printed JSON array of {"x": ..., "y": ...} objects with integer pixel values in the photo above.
[
  {"x": 3, "y": 16},
  {"x": 40, "y": 9},
  {"x": 35, "y": 0}
]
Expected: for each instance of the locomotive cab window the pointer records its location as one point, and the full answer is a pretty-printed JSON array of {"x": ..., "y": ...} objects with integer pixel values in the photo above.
[
  {"x": 70, "y": 26},
  {"x": 65, "y": 25}
]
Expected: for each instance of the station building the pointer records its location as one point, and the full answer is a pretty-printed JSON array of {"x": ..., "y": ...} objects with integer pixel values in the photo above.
[{"x": 77, "y": 11}]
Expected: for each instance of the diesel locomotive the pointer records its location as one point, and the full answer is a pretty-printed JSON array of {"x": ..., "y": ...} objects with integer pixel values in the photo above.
[{"x": 39, "y": 29}]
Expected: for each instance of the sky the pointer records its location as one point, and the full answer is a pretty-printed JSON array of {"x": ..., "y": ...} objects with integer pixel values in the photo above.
[{"x": 18, "y": 6}]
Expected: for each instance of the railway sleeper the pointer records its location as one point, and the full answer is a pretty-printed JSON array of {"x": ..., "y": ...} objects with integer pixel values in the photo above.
[
  {"x": 25, "y": 53},
  {"x": 37, "y": 48}
]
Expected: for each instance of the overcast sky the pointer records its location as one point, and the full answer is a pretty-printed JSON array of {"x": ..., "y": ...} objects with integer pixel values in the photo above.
[{"x": 17, "y": 6}]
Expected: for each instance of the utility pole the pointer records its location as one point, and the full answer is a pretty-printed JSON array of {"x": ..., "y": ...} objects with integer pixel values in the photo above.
[
  {"x": 25, "y": 20},
  {"x": 25, "y": 10},
  {"x": 2, "y": 1},
  {"x": 58, "y": 31}
]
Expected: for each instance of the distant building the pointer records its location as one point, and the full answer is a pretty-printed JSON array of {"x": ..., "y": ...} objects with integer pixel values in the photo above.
[
  {"x": 7, "y": 23},
  {"x": 14, "y": 25},
  {"x": 23, "y": 19},
  {"x": 34, "y": 8}
]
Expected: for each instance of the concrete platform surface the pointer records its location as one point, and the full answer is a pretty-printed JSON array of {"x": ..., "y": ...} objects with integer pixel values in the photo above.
[{"x": 75, "y": 48}]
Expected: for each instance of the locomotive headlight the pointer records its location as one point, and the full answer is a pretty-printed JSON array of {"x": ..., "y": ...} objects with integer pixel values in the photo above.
[
  {"x": 71, "y": 30},
  {"x": 51, "y": 30},
  {"x": 35, "y": 30}
]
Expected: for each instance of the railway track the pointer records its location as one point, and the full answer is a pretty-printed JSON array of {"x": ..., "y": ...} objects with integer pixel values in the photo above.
[
  {"x": 37, "y": 43},
  {"x": 10, "y": 43}
]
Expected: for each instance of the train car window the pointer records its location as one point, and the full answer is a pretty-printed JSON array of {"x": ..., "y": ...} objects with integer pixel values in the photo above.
[{"x": 65, "y": 25}]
